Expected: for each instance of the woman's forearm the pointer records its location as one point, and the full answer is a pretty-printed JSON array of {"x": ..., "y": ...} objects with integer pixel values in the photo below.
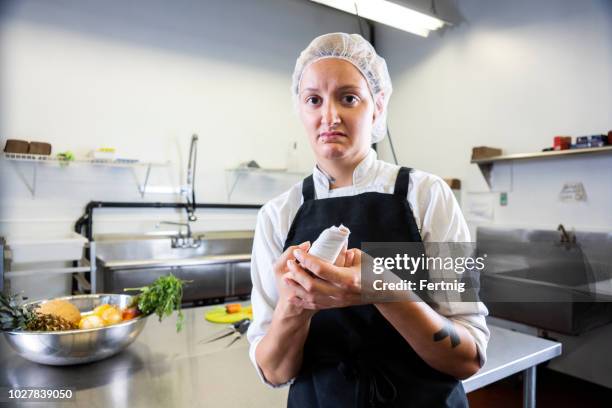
[
  {"x": 445, "y": 346},
  {"x": 279, "y": 353}
]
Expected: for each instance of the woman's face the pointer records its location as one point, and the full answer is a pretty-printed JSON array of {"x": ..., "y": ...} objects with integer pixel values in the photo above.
[{"x": 337, "y": 110}]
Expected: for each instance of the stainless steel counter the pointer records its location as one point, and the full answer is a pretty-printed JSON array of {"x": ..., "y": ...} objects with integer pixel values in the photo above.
[
  {"x": 510, "y": 352},
  {"x": 165, "y": 369}
]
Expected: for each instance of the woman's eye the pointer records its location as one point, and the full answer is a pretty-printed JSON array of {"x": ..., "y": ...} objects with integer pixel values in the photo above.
[
  {"x": 350, "y": 99},
  {"x": 313, "y": 100}
]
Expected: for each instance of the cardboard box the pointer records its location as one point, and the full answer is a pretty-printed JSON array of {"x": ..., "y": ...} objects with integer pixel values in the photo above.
[
  {"x": 39, "y": 148},
  {"x": 16, "y": 146},
  {"x": 483, "y": 152}
]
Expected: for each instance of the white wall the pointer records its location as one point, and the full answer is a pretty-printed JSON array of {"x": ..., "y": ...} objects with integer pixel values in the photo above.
[
  {"x": 512, "y": 75},
  {"x": 142, "y": 76}
]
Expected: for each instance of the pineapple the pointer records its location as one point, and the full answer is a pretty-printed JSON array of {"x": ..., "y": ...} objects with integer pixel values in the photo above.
[
  {"x": 48, "y": 322},
  {"x": 14, "y": 316}
]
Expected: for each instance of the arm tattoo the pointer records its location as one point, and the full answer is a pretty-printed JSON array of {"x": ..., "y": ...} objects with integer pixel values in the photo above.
[{"x": 446, "y": 331}]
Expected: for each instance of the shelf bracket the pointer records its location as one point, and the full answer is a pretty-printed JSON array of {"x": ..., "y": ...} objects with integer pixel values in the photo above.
[
  {"x": 30, "y": 186},
  {"x": 485, "y": 169},
  {"x": 233, "y": 187},
  {"x": 142, "y": 188}
]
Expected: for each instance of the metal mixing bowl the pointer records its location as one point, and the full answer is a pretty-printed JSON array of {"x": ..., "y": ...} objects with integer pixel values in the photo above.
[{"x": 78, "y": 346}]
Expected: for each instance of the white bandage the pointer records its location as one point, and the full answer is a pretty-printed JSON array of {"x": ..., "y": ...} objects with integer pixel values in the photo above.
[{"x": 330, "y": 243}]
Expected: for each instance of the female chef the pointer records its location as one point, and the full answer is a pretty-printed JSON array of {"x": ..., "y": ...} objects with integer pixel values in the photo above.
[{"x": 311, "y": 329}]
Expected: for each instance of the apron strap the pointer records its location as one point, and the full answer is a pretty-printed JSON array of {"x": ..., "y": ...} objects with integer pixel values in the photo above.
[
  {"x": 308, "y": 190},
  {"x": 402, "y": 182}
]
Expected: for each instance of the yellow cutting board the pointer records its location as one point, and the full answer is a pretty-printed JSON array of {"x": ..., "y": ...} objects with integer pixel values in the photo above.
[{"x": 219, "y": 315}]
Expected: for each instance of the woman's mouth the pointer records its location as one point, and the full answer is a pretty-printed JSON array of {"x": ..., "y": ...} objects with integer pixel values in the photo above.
[{"x": 331, "y": 137}]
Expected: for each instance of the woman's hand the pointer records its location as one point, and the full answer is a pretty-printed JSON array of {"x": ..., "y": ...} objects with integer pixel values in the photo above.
[
  {"x": 319, "y": 285},
  {"x": 287, "y": 305}
]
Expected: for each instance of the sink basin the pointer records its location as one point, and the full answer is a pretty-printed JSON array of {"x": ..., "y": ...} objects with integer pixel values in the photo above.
[
  {"x": 134, "y": 248},
  {"x": 218, "y": 268},
  {"x": 548, "y": 275},
  {"x": 533, "y": 279}
]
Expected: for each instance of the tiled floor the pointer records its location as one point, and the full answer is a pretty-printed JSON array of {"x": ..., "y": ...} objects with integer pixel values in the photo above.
[{"x": 553, "y": 390}]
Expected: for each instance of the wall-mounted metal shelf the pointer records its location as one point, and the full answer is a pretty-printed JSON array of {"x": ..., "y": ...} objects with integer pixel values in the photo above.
[
  {"x": 36, "y": 159},
  {"x": 239, "y": 173},
  {"x": 486, "y": 164}
]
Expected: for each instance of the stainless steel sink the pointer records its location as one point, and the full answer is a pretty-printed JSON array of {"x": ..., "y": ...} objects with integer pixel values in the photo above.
[
  {"x": 533, "y": 278},
  {"x": 218, "y": 268}
]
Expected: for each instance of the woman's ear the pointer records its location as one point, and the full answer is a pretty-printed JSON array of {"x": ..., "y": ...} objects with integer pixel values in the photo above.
[{"x": 379, "y": 105}]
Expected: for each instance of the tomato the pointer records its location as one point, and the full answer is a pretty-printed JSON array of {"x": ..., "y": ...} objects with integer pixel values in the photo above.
[{"x": 130, "y": 313}]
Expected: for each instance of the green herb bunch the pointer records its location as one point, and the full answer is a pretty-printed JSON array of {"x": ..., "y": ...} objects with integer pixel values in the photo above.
[{"x": 162, "y": 297}]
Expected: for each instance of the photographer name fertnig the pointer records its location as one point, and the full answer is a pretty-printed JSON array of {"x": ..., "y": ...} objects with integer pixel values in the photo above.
[{"x": 424, "y": 284}]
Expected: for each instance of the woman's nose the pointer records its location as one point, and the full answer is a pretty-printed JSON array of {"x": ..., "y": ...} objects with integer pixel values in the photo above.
[{"x": 329, "y": 113}]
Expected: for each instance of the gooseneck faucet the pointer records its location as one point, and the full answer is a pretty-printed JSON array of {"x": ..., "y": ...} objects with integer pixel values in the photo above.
[
  {"x": 191, "y": 171},
  {"x": 566, "y": 238},
  {"x": 182, "y": 240}
]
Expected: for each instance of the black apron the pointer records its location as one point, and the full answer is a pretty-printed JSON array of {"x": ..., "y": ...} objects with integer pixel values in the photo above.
[{"x": 353, "y": 357}]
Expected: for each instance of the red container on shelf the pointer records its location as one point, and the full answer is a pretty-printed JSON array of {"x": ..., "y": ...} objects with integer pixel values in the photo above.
[{"x": 562, "y": 142}]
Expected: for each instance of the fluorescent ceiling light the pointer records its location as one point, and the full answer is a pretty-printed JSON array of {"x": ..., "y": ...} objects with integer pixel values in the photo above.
[{"x": 388, "y": 13}]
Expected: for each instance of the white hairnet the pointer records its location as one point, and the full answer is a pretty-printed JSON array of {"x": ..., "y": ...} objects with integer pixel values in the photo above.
[{"x": 359, "y": 52}]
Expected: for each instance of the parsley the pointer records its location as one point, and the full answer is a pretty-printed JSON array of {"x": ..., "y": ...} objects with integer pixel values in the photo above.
[{"x": 162, "y": 297}]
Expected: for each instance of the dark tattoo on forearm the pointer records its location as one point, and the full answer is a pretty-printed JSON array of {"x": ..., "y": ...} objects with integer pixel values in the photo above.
[{"x": 446, "y": 331}]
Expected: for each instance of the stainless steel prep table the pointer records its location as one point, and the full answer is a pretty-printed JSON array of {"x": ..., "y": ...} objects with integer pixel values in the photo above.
[{"x": 165, "y": 369}]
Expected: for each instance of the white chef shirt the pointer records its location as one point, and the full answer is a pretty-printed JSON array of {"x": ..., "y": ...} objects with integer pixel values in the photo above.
[{"x": 435, "y": 210}]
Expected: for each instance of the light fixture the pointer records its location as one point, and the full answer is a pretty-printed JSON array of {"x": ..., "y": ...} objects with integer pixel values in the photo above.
[{"x": 388, "y": 13}]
